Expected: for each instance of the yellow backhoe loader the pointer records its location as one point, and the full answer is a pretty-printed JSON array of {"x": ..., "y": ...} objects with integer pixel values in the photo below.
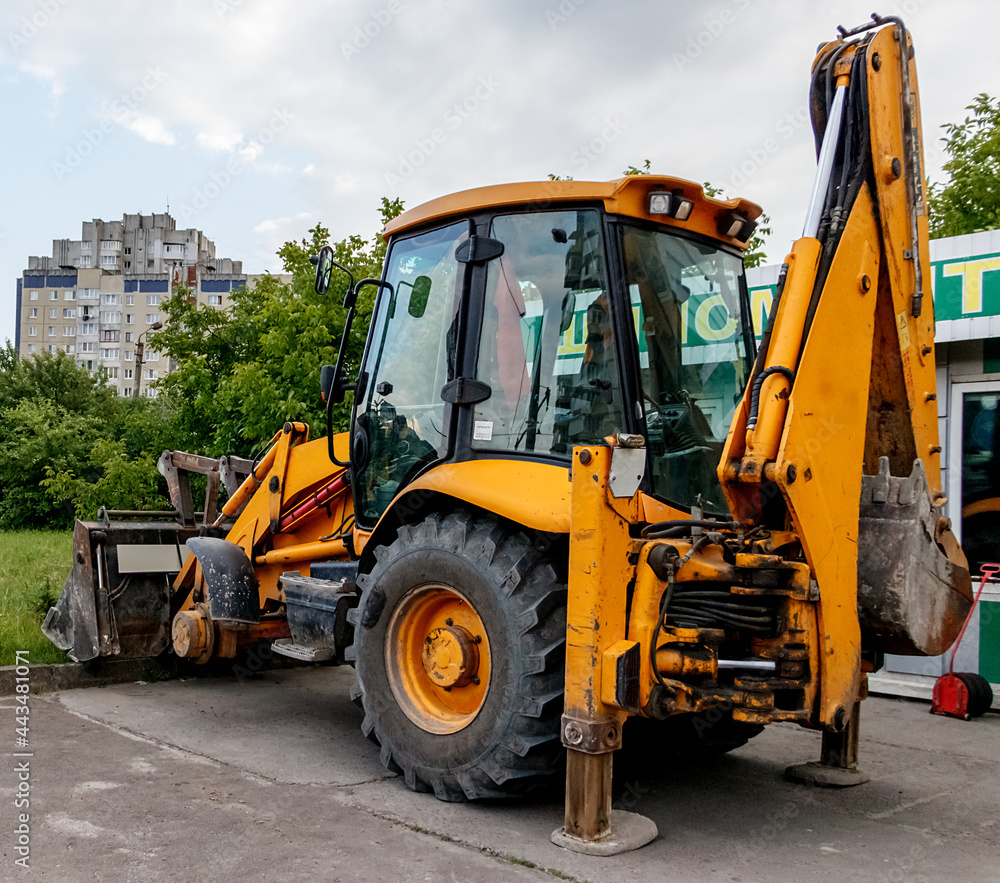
[{"x": 576, "y": 489}]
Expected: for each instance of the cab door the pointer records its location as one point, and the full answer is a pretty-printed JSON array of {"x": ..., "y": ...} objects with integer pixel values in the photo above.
[{"x": 401, "y": 422}]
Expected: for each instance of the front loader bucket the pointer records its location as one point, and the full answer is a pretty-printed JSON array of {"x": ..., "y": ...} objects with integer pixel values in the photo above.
[
  {"x": 116, "y": 601},
  {"x": 914, "y": 588}
]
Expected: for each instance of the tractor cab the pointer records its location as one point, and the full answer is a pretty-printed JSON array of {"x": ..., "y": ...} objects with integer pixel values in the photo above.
[{"x": 520, "y": 320}]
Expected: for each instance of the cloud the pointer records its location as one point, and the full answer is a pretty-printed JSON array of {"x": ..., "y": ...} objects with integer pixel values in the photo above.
[
  {"x": 151, "y": 129},
  {"x": 218, "y": 142}
]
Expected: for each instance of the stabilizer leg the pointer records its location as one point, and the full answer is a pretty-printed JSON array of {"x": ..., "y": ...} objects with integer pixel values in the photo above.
[{"x": 838, "y": 764}]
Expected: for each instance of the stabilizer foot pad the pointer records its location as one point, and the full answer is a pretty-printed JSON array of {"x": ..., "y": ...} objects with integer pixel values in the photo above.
[
  {"x": 628, "y": 831},
  {"x": 824, "y": 775}
]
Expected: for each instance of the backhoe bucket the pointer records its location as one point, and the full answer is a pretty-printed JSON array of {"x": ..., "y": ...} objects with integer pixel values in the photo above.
[
  {"x": 914, "y": 588},
  {"x": 116, "y": 601}
]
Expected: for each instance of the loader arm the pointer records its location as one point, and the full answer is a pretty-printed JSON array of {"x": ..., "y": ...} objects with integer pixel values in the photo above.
[{"x": 845, "y": 379}]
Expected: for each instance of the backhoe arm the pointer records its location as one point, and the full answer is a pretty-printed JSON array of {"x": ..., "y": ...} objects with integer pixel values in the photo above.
[{"x": 836, "y": 436}]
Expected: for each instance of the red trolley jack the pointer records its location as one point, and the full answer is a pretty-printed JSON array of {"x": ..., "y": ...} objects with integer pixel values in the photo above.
[{"x": 964, "y": 694}]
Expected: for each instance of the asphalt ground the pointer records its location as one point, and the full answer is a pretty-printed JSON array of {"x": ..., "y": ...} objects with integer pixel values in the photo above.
[{"x": 269, "y": 778}]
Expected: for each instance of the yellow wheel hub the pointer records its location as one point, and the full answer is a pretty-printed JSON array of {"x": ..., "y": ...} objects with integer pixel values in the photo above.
[{"x": 437, "y": 656}]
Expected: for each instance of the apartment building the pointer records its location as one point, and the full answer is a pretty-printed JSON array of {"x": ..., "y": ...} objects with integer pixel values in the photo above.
[{"x": 96, "y": 296}]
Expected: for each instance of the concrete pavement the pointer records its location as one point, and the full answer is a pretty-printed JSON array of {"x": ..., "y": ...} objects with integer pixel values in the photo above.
[{"x": 270, "y": 778}]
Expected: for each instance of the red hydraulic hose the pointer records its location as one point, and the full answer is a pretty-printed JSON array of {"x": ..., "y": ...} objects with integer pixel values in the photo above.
[{"x": 316, "y": 501}]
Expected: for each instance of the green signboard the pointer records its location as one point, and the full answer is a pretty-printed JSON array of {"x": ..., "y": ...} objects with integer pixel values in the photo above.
[{"x": 964, "y": 288}]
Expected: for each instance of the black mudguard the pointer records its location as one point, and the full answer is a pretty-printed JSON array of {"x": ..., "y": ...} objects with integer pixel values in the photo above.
[{"x": 230, "y": 584}]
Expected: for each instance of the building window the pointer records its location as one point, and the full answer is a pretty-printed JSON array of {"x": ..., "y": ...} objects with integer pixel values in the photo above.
[
  {"x": 89, "y": 293},
  {"x": 86, "y": 245},
  {"x": 52, "y": 312},
  {"x": 31, "y": 347},
  {"x": 130, "y": 300},
  {"x": 110, "y": 353},
  {"x": 111, "y": 299},
  {"x": 33, "y": 313},
  {"x": 129, "y": 319},
  {"x": 88, "y": 328},
  {"x": 32, "y": 331},
  {"x": 53, "y": 295},
  {"x": 111, "y": 318},
  {"x": 128, "y": 355},
  {"x": 152, "y": 356},
  {"x": 52, "y": 330},
  {"x": 127, "y": 373},
  {"x": 110, "y": 373},
  {"x": 69, "y": 295},
  {"x": 110, "y": 245},
  {"x": 70, "y": 349},
  {"x": 110, "y": 336},
  {"x": 126, "y": 391},
  {"x": 109, "y": 260},
  {"x": 215, "y": 300},
  {"x": 33, "y": 295},
  {"x": 149, "y": 263},
  {"x": 152, "y": 300},
  {"x": 88, "y": 347},
  {"x": 152, "y": 317},
  {"x": 128, "y": 337},
  {"x": 69, "y": 331},
  {"x": 150, "y": 374},
  {"x": 53, "y": 348},
  {"x": 84, "y": 261},
  {"x": 173, "y": 249},
  {"x": 128, "y": 250},
  {"x": 128, "y": 265},
  {"x": 69, "y": 314}
]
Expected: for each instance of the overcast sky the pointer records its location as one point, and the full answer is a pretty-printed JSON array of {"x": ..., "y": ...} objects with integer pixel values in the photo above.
[{"x": 256, "y": 118}]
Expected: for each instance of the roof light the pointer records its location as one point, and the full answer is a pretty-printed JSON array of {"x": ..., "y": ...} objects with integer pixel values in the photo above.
[
  {"x": 672, "y": 204},
  {"x": 735, "y": 226}
]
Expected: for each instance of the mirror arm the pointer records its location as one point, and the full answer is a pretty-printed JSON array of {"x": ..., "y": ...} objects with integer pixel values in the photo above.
[{"x": 336, "y": 393}]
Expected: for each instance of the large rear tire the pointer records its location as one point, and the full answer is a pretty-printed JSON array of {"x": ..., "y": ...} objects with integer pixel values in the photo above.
[{"x": 459, "y": 648}]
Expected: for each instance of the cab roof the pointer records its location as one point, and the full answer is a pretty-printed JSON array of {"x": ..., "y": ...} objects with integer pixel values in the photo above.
[{"x": 625, "y": 196}]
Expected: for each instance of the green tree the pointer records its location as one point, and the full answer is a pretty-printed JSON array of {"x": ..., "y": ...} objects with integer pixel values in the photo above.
[
  {"x": 38, "y": 435},
  {"x": 970, "y": 199},
  {"x": 116, "y": 481},
  {"x": 53, "y": 415},
  {"x": 244, "y": 372}
]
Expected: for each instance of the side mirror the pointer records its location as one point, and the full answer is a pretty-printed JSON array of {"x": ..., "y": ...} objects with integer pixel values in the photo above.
[
  {"x": 418, "y": 296},
  {"x": 324, "y": 267},
  {"x": 326, "y": 377}
]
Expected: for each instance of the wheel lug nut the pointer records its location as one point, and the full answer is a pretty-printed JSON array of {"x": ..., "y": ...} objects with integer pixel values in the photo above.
[
  {"x": 427, "y": 640},
  {"x": 447, "y": 689},
  {"x": 475, "y": 681},
  {"x": 478, "y": 639},
  {"x": 449, "y": 621}
]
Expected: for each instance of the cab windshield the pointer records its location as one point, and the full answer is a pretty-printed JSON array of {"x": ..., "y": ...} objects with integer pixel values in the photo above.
[{"x": 695, "y": 355}]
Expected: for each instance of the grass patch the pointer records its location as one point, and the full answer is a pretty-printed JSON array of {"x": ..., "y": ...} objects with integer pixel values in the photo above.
[{"x": 33, "y": 567}]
